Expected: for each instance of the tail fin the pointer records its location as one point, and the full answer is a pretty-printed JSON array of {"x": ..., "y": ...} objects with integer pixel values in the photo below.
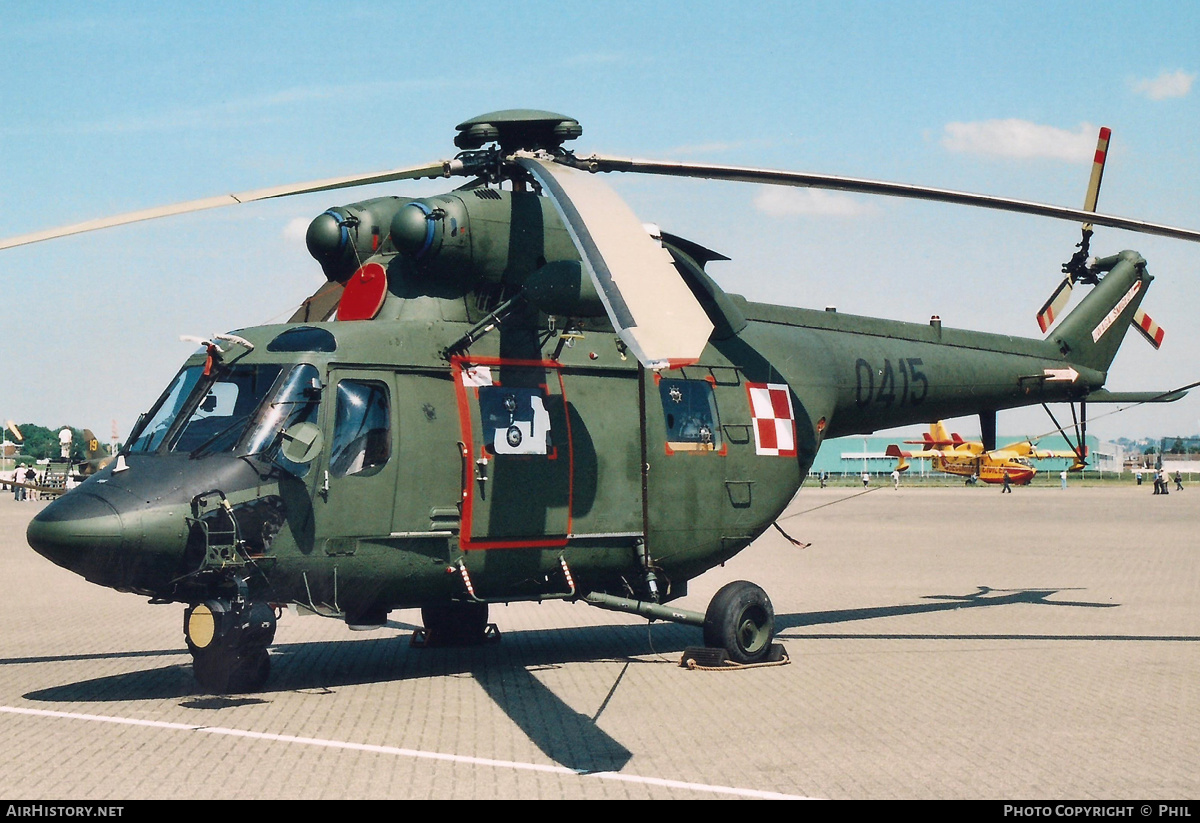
[
  {"x": 894, "y": 451},
  {"x": 938, "y": 434},
  {"x": 1091, "y": 334},
  {"x": 91, "y": 446}
]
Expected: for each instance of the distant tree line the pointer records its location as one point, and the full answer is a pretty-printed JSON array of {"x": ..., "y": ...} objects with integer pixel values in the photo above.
[
  {"x": 1176, "y": 445},
  {"x": 41, "y": 443}
]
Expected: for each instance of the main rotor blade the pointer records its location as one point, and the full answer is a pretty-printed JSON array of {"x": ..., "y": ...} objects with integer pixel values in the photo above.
[
  {"x": 651, "y": 307},
  {"x": 775, "y": 177},
  {"x": 441, "y": 168},
  {"x": 320, "y": 305}
]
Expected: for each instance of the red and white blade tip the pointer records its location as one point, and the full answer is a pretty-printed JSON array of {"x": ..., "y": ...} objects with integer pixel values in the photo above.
[
  {"x": 1150, "y": 330},
  {"x": 1055, "y": 305}
]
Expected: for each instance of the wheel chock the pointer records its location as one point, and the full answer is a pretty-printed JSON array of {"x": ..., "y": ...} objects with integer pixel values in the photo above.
[{"x": 707, "y": 659}]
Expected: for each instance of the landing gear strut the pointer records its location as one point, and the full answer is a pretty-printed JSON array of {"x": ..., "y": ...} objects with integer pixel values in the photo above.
[
  {"x": 228, "y": 642},
  {"x": 740, "y": 620}
]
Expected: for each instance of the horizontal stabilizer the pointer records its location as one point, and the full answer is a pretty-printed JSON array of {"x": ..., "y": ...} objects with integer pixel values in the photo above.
[
  {"x": 901, "y": 463},
  {"x": 1106, "y": 396}
]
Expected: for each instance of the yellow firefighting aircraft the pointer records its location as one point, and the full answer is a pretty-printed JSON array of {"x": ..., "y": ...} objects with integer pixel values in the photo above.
[{"x": 951, "y": 454}]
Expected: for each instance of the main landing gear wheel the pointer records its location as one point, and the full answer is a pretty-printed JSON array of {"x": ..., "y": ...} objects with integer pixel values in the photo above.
[
  {"x": 456, "y": 624},
  {"x": 741, "y": 620}
]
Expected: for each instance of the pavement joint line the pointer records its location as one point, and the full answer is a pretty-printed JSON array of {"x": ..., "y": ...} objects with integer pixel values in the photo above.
[{"x": 401, "y": 752}]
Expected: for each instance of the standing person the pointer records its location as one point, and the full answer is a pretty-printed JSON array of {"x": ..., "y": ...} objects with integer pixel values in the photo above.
[
  {"x": 1163, "y": 482},
  {"x": 1063, "y": 477},
  {"x": 1178, "y": 481},
  {"x": 1157, "y": 484},
  {"x": 1138, "y": 475},
  {"x": 866, "y": 478},
  {"x": 822, "y": 476},
  {"x": 895, "y": 478},
  {"x": 1007, "y": 484}
]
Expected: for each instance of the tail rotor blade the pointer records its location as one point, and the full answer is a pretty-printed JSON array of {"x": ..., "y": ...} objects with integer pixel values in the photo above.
[
  {"x": 1150, "y": 330},
  {"x": 1055, "y": 306},
  {"x": 1093, "y": 192}
]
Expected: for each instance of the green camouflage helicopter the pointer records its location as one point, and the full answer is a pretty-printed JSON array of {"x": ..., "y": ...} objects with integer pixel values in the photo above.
[{"x": 527, "y": 395}]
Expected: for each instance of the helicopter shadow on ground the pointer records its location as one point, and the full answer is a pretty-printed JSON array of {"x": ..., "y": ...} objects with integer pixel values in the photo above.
[
  {"x": 327, "y": 665},
  {"x": 506, "y": 671},
  {"x": 984, "y": 596}
]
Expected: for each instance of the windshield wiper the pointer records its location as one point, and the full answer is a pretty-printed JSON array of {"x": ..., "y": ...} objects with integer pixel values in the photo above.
[{"x": 196, "y": 452}]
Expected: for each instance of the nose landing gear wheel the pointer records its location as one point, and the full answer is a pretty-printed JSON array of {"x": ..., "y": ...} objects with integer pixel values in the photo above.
[
  {"x": 741, "y": 620},
  {"x": 229, "y": 644}
]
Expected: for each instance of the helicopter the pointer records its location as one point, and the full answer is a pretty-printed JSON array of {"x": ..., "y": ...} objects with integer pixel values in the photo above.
[{"x": 518, "y": 391}]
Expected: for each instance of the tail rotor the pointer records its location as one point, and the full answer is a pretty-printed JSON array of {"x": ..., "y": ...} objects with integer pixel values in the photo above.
[
  {"x": 1080, "y": 268},
  {"x": 1077, "y": 269}
]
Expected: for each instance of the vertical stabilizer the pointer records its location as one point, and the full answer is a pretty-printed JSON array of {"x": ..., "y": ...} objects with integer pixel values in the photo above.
[{"x": 1091, "y": 334}]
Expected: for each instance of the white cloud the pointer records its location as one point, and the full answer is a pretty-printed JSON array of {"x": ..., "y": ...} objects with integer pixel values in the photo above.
[
  {"x": 1168, "y": 84},
  {"x": 296, "y": 229},
  {"x": 1021, "y": 139},
  {"x": 775, "y": 201}
]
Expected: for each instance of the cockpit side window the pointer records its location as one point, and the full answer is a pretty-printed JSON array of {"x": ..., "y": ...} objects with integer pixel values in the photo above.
[
  {"x": 295, "y": 401},
  {"x": 362, "y": 429}
]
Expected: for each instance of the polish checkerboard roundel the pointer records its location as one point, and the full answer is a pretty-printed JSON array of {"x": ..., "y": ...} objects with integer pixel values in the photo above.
[{"x": 774, "y": 419}]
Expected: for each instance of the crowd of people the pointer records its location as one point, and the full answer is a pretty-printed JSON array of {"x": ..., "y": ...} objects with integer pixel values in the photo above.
[
  {"x": 1162, "y": 481},
  {"x": 26, "y": 475}
]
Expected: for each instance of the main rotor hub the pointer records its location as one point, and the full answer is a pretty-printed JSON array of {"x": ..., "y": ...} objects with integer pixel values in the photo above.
[{"x": 517, "y": 130}]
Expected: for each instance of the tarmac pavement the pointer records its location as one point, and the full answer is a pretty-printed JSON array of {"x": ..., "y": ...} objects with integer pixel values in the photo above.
[{"x": 944, "y": 643}]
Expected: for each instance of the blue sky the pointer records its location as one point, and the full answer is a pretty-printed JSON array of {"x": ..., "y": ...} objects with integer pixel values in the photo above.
[{"x": 111, "y": 107}]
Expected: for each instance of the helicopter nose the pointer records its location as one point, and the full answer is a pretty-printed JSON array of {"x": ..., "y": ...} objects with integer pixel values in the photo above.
[{"x": 77, "y": 531}]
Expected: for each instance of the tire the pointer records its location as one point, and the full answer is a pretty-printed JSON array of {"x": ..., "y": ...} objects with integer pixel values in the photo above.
[
  {"x": 251, "y": 671},
  {"x": 212, "y": 668},
  {"x": 222, "y": 670},
  {"x": 457, "y": 623},
  {"x": 741, "y": 620}
]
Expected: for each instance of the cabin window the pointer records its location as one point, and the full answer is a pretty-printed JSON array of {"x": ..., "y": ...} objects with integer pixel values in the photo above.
[
  {"x": 690, "y": 412},
  {"x": 362, "y": 429}
]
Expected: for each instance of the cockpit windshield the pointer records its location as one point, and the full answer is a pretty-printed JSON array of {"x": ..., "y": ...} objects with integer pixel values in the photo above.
[{"x": 201, "y": 413}]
